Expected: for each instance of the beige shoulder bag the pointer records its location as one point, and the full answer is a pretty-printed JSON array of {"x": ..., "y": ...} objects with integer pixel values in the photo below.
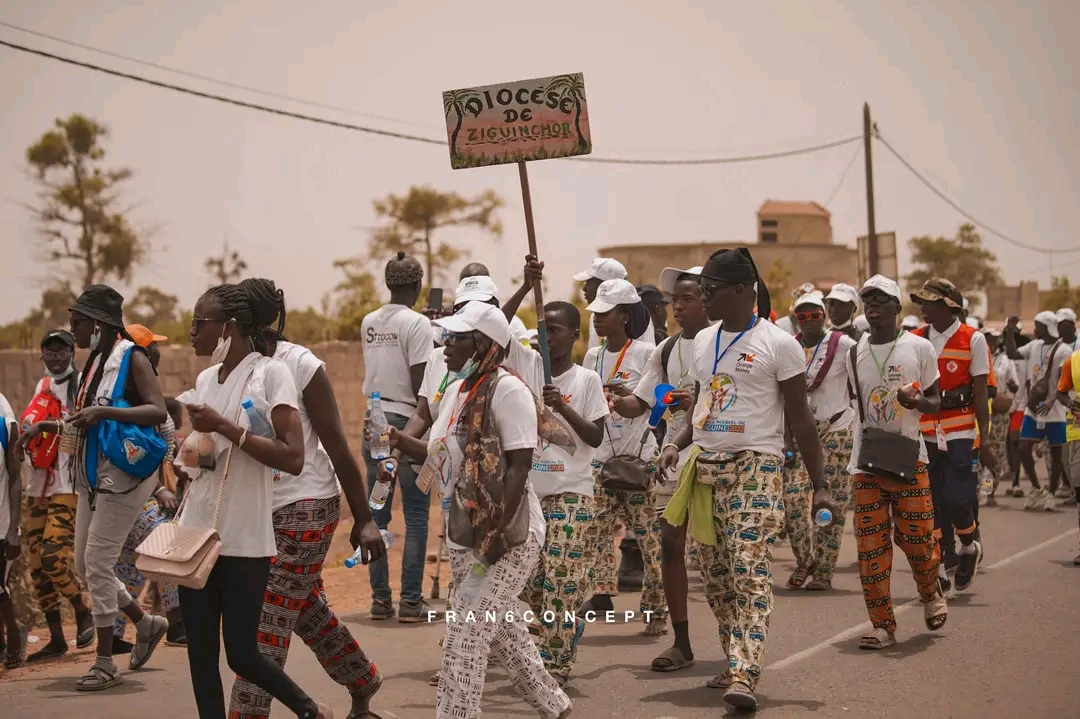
[{"x": 184, "y": 556}]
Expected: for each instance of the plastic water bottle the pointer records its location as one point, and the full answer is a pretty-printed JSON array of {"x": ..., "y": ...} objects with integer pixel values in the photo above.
[
  {"x": 357, "y": 558},
  {"x": 466, "y": 594},
  {"x": 259, "y": 424},
  {"x": 823, "y": 517},
  {"x": 381, "y": 491},
  {"x": 380, "y": 428}
]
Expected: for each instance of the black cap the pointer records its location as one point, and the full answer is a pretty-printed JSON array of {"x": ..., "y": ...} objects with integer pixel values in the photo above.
[
  {"x": 652, "y": 293},
  {"x": 59, "y": 335},
  {"x": 101, "y": 303},
  {"x": 737, "y": 267}
]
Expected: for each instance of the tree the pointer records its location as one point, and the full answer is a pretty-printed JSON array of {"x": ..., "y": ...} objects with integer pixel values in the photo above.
[
  {"x": 457, "y": 101},
  {"x": 79, "y": 216},
  {"x": 572, "y": 87},
  {"x": 778, "y": 280},
  {"x": 356, "y": 295},
  {"x": 962, "y": 260},
  {"x": 308, "y": 326},
  {"x": 152, "y": 308},
  {"x": 52, "y": 314},
  {"x": 226, "y": 268},
  {"x": 1061, "y": 295},
  {"x": 412, "y": 220}
]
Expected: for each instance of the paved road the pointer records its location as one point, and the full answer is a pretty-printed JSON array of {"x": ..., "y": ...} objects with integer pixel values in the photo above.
[{"x": 1010, "y": 649}]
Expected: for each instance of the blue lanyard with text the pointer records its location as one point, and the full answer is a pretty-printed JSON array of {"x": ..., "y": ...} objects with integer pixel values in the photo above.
[
  {"x": 720, "y": 355},
  {"x": 814, "y": 356}
]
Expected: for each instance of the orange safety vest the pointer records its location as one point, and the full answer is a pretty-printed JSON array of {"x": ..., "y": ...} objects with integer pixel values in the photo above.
[{"x": 954, "y": 365}]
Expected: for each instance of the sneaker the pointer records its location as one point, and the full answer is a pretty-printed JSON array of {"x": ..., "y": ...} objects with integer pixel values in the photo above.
[
  {"x": 50, "y": 651},
  {"x": 1063, "y": 493},
  {"x": 1018, "y": 493},
  {"x": 417, "y": 612},
  {"x": 968, "y": 567},
  {"x": 741, "y": 696},
  {"x": 1035, "y": 500},
  {"x": 1050, "y": 503},
  {"x": 945, "y": 585},
  {"x": 381, "y": 609},
  {"x": 176, "y": 636},
  {"x": 1011, "y": 491}
]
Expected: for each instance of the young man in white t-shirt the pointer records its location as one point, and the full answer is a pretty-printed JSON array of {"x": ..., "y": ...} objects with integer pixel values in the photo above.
[
  {"x": 749, "y": 377},
  {"x": 817, "y": 548},
  {"x": 563, "y": 481},
  {"x": 619, "y": 315},
  {"x": 671, "y": 363},
  {"x": 895, "y": 381},
  {"x": 12, "y": 637},
  {"x": 397, "y": 343}
]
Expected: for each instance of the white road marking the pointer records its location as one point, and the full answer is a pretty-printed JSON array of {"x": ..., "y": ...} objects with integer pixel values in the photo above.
[{"x": 861, "y": 629}]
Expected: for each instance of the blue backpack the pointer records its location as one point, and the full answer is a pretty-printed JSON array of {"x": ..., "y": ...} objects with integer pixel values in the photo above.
[
  {"x": 134, "y": 449},
  {"x": 4, "y": 439}
]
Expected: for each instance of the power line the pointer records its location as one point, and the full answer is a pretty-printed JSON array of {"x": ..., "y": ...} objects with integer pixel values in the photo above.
[
  {"x": 945, "y": 198},
  {"x": 851, "y": 162},
  {"x": 407, "y": 136}
]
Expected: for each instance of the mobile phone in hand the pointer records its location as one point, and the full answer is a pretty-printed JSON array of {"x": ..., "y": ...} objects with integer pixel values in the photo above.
[{"x": 434, "y": 298}]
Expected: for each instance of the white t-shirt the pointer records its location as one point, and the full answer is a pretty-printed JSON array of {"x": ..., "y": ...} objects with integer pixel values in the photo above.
[
  {"x": 318, "y": 480},
  {"x": 60, "y": 482},
  {"x": 525, "y": 361},
  {"x": 740, "y": 405},
  {"x": 1005, "y": 370},
  {"x": 1037, "y": 354},
  {"x": 649, "y": 337},
  {"x": 246, "y": 523},
  {"x": 622, "y": 435},
  {"x": 787, "y": 324},
  {"x": 679, "y": 373},
  {"x": 554, "y": 470},
  {"x": 394, "y": 339},
  {"x": 831, "y": 397},
  {"x": 1020, "y": 401},
  {"x": 515, "y": 418},
  {"x": 912, "y": 359},
  {"x": 8, "y": 418}
]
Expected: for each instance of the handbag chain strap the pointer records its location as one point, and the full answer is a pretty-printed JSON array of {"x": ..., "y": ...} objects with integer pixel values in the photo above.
[{"x": 224, "y": 474}]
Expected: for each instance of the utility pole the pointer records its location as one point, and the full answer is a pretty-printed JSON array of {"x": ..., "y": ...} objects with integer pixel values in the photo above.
[{"x": 871, "y": 234}]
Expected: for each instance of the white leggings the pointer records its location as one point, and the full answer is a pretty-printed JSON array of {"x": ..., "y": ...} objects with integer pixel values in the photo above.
[{"x": 99, "y": 537}]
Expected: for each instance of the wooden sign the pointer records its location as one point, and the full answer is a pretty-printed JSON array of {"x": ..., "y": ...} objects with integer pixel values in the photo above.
[{"x": 517, "y": 122}]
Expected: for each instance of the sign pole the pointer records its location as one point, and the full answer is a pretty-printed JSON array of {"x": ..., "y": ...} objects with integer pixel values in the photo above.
[{"x": 538, "y": 290}]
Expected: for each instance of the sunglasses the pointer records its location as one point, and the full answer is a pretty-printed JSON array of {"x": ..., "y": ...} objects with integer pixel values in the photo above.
[
  {"x": 811, "y": 315},
  {"x": 877, "y": 298},
  {"x": 708, "y": 290},
  {"x": 453, "y": 338},
  {"x": 198, "y": 322}
]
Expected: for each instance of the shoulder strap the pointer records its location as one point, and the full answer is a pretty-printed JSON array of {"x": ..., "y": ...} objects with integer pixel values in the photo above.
[
  {"x": 855, "y": 377},
  {"x": 665, "y": 353},
  {"x": 122, "y": 374},
  {"x": 46, "y": 383},
  {"x": 826, "y": 365}
]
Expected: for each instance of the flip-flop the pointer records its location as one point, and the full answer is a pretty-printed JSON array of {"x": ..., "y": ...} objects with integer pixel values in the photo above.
[
  {"x": 798, "y": 578},
  {"x": 720, "y": 681},
  {"x": 936, "y": 613},
  {"x": 674, "y": 658},
  {"x": 97, "y": 679},
  {"x": 655, "y": 628},
  {"x": 877, "y": 639},
  {"x": 818, "y": 585}
]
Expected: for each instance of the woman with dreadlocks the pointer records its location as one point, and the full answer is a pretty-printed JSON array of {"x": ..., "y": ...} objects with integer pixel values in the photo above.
[
  {"x": 480, "y": 452},
  {"x": 231, "y": 490},
  {"x": 109, "y": 499},
  {"x": 306, "y": 509}
]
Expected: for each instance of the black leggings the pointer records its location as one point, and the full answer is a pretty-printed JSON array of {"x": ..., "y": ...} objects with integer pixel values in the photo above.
[{"x": 231, "y": 603}]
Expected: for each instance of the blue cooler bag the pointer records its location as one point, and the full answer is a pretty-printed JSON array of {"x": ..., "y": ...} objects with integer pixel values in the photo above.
[{"x": 134, "y": 449}]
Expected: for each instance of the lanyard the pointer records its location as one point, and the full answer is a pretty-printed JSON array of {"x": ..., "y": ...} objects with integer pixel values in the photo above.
[
  {"x": 720, "y": 355},
  {"x": 618, "y": 361},
  {"x": 442, "y": 387},
  {"x": 880, "y": 365},
  {"x": 683, "y": 369},
  {"x": 814, "y": 356},
  {"x": 456, "y": 407}
]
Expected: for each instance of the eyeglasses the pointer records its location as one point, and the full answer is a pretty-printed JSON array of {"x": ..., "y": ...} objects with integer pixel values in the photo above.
[
  {"x": 198, "y": 322},
  {"x": 707, "y": 291},
  {"x": 877, "y": 298},
  {"x": 453, "y": 338},
  {"x": 811, "y": 315},
  {"x": 50, "y": 356}
]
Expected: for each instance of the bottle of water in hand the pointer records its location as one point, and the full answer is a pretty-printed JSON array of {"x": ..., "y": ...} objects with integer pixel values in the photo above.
[
  {"x": 823, "y": 517},
  {"x": 380, "y": 492},
  {"x": 358, "y": 556},
  {"x": 259, "y": 424},
  {"x": 379, "y": 447},
  {"x": 466, "y": 594}
]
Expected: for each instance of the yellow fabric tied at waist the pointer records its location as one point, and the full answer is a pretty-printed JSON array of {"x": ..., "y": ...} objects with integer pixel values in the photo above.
[{"x": 692, "y": 503}]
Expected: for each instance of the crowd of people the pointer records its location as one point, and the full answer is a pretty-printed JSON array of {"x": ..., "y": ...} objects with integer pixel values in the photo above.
[{"x": 703, "y": 449}]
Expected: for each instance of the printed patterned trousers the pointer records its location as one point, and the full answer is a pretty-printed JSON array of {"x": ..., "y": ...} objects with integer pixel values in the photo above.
[
  {"x": 560, "y": 582},
  {"x": 748, "y": 512},
  {"x": 295, "y": 601},
  {"x": 637, "y": 513},
  {"x": 133, "y": 579},
  {"x": 999, "y": 436},
  {"x": 883, "y": 506},
  {"x": 470, "y": 638},
  {"x": 50, "y": 546},
  {"x": 818, "y": 547}
]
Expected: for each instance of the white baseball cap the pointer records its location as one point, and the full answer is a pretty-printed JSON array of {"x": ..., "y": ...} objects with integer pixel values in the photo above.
[
  {"x": 603, "y": 269},
  {"x": 1050, "y": 320},
  {"x": 612, "y": 293},
  {"x": 480, "y": 317},
  {"x": 972, "y": 322},
  {"x": 861, "y": 323},
  {"x": 811, "y": 298},
  {"x": 910, "y": 322},
  {"x": 883, "y": 284},
  {"x": 843, "y": 293},
  {"x": 475, "y": 289},
  {"x": 1065, "y": 314},
  {"x": 671, "y": 275}
]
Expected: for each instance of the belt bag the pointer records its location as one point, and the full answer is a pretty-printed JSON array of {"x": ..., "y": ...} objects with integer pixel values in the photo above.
[
  {"x": 959, "y": 398},
  {"x": 882, "y": 453},
  {"x": 184, "y": 556},
  {"x": 626, "y": 472},
  {"x": 133, "y": 449}
]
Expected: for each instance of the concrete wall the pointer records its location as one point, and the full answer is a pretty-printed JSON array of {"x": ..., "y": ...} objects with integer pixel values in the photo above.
[
  {"x": 20, "y": 370},
  {"x": 1024, "y": 300},
  {"x": 798, "y": 229}
]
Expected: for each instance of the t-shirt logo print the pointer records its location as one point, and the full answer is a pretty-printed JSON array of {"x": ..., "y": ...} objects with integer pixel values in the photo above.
[
  {"x": 745, "y": 362},
  {"x": 882, "y": 405},
  {"x": 723, "y": 393}
]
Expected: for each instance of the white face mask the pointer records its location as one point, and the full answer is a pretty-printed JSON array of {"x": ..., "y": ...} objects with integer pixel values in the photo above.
[
  {"x": 95, "y": 338},
  {"x": 222, "y": 349},
  {"x": 468, "y": 370},
  {"x": 60, "y": 376}
]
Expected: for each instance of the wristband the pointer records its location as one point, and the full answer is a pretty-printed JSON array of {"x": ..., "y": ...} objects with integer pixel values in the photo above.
[{"x": 670, "y": 444}]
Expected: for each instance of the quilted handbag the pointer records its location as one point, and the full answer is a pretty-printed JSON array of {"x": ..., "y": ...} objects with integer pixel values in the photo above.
[{"x": 183, "y": 556}]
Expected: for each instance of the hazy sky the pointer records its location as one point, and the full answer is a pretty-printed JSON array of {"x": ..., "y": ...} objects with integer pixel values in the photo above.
[{"x": 978, "y": 95}]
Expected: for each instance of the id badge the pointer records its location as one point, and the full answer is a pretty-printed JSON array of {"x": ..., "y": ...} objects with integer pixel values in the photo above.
[
  {"x": 435, "y": 468},
  {"x": 615, "y": 431},
  {"x": 940, "y": 435}
]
